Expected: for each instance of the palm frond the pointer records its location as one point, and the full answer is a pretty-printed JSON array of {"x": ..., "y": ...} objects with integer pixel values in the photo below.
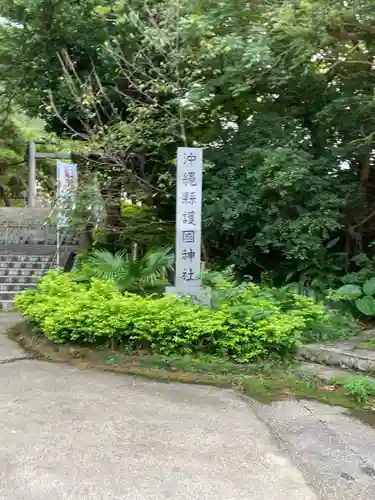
[
  {"x": 155, "y": 265},
  {"x": 109, "y": 266},
  {"x": 150, "y": 271}
]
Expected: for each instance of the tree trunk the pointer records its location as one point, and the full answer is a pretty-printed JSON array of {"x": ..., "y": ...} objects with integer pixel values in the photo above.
[
  {"x": 364, "y": 171},
  {"x": 113, "y": 221},
  {"x": 112, "y": 200},
  {"x": 4, "y": 196},
  {"x": 85, "y": 239}
]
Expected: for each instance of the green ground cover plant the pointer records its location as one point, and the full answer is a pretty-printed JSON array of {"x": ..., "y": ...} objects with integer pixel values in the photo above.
[{"x": 246, "y": 321}]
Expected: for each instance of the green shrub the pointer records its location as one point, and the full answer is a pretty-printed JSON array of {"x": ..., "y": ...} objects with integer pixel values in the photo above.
[
  {"x": 246, "y": 322},
  {"x": 100, "y": 314},
  {"x": 363, "y": 297},
  {"x": 361, "y": 388},
  {"x": 53, "y": 290},
  {"x": 249, "y": 301}
]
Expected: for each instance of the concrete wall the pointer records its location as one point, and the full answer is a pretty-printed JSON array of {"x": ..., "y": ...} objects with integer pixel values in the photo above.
[
  {"x": 25, "y": 226},
  {"x": 25, "y": 230},
  {"x": 22, "y": 216}
]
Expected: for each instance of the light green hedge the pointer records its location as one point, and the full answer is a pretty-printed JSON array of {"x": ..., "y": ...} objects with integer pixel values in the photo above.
[{"x": 249, "y": 323}]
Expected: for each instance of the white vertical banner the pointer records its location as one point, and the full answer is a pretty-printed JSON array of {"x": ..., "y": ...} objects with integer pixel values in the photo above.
[
  {"x": 67, "y": 182},
  {"x": 188, "y": 220}
]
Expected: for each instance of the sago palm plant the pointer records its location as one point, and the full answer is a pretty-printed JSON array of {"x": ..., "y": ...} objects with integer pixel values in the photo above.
[{"x": 145, "y": 275}]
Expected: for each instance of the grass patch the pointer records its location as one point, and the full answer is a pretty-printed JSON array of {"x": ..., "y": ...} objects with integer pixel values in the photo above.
[
  {"x": 264, "y": 382},
  {"x": 368, "y": 344},
  {"x": 361, "y": 388}
]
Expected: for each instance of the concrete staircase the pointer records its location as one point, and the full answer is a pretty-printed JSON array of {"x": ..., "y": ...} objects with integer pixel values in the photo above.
[
  {"x": 27, "y": 249},
  {"x": 17, "y": 273}
]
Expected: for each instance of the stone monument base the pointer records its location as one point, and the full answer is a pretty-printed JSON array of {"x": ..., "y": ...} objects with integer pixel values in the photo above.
[{"x": 199, "y": 294}]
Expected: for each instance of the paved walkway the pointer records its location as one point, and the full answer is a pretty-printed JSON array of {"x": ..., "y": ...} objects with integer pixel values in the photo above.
[
  {"x": 84, "y": 435},
  {"x": 9, "y": 350}
]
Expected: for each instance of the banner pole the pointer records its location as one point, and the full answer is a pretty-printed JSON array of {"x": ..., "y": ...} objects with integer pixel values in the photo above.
[{"x": 58, "y": 248}]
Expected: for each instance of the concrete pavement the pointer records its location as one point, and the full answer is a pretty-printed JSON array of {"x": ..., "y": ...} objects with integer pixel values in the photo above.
[
  {"x": 70, "y": 434},
  {"x": 85, "y": 435},
  {"x": 333, "y": 450},
  {"x": 9, "y": 350}
]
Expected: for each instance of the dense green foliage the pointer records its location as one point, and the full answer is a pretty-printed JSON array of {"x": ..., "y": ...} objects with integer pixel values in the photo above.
[
  {"x": 362, "y": 297},
  {"x": 15, "y": 130},
  {"x": 12, "y": 151},
  {"x": 361, "y": 388},
  {"x": 299, "y": 161},
  {"x": 259, "y": 302},
  {"x": 143, "y": 226},
  {"x": 280, "y": 93},
  {"x": 246, "y": 323}
]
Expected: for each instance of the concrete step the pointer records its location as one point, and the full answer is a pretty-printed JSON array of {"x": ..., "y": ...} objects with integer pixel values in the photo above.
[
  {"x": 25, "y": 258},
  {"x": 47, "y": 249},
  {"x": 18, "y": 287},
  {"x": 6, "y": 304},
  {"x": 21, "y": 272},
  {"x": 17, "y": 280},
  {"x": 330, "y": 374},
  {"x": 18, "y": 272},
  {"x": 8, "y": 296},
  {"x": 23, "y": 265},
  {"x": 347, "y": 354}
]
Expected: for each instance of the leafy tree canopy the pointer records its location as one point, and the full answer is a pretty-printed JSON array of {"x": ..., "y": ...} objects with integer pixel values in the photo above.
[{"x": 281, "y": 94}]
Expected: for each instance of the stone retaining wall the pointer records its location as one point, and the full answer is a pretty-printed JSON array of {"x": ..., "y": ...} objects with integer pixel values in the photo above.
[{"x": 25, "y": 230}]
